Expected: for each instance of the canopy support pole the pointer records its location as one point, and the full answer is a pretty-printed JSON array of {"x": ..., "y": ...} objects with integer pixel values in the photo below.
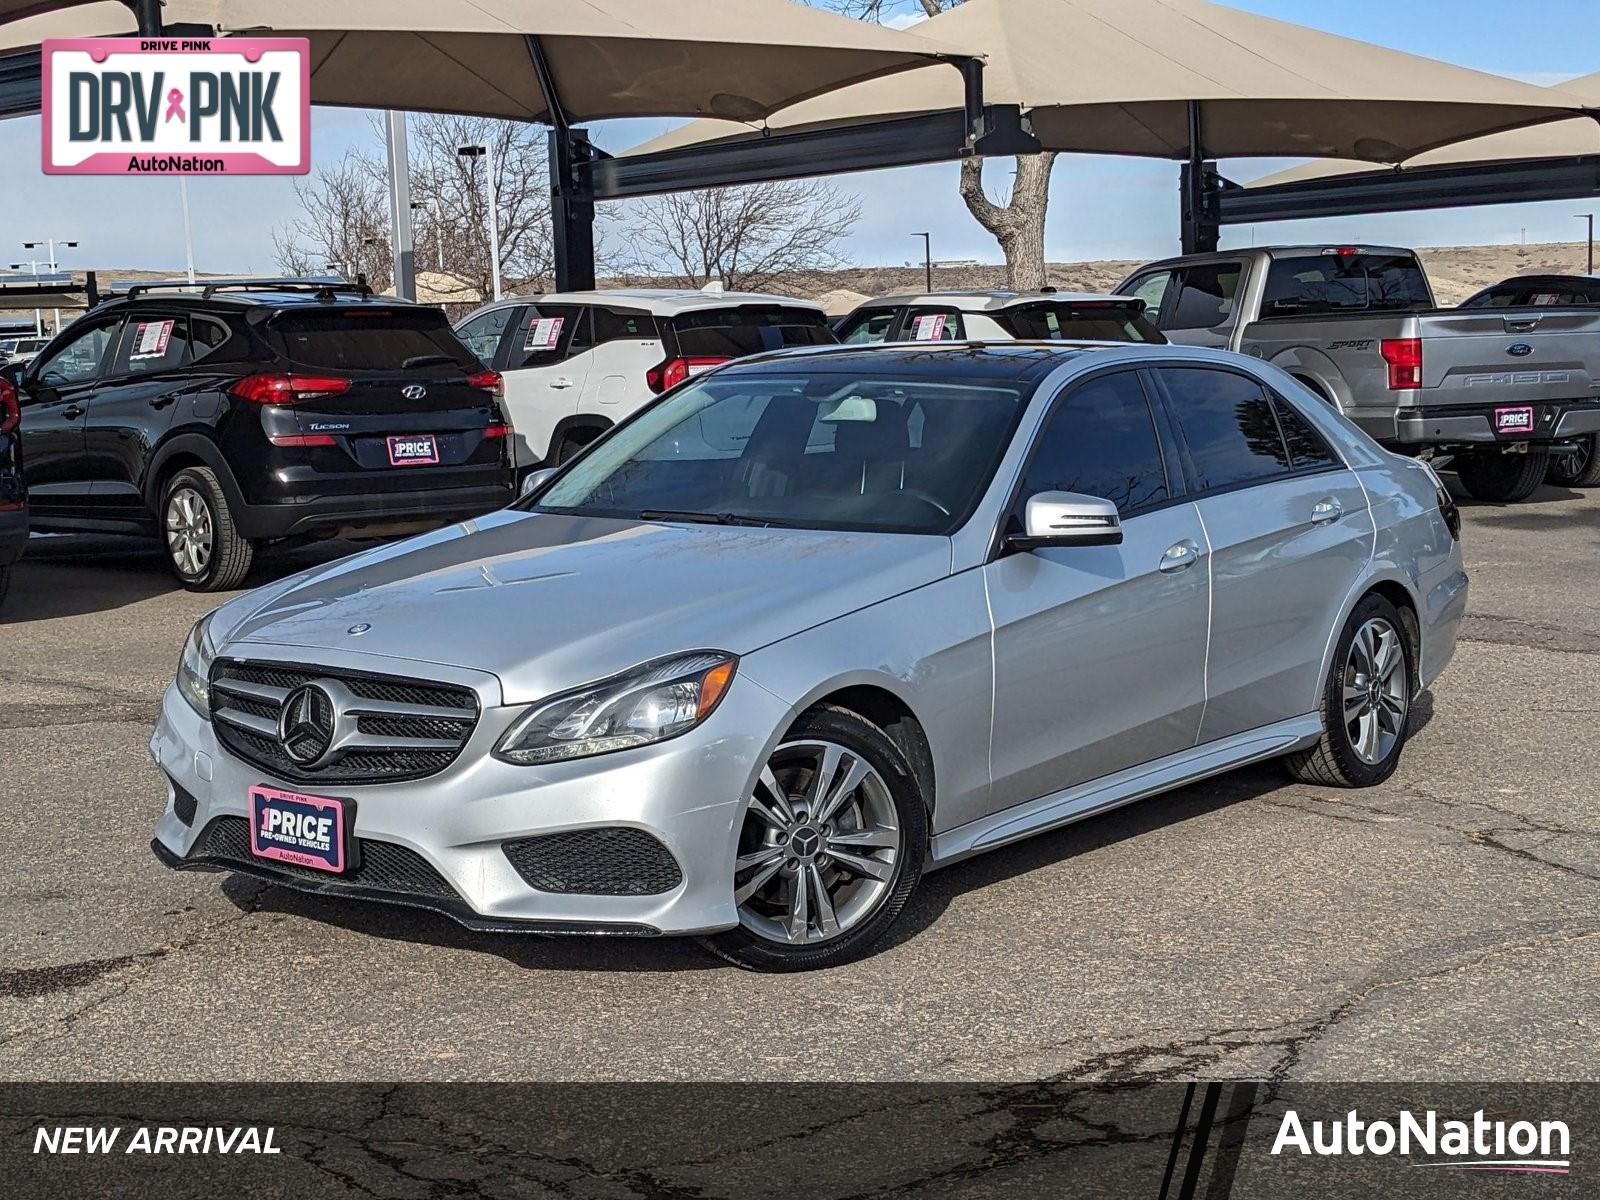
[
  {"x": 148, "y": 13},
  {"x": 1201, "y": 226},
  {"x": 571, "y": 205}
]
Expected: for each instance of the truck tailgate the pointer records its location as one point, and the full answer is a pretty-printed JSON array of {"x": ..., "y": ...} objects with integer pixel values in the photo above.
[{"x": 1510, "y": 356}]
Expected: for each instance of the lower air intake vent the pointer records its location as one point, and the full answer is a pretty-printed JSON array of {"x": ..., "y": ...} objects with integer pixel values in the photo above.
[
  {"x": 380, "y": 866},
  {"x": 596, "y": 862}
]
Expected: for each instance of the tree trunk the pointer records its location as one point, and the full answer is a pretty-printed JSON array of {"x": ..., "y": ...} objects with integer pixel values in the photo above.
[{"x": 1019, "y": 225}]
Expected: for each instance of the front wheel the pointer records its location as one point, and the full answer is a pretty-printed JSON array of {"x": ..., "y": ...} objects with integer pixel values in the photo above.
[
  {"x": 1501, "y": 477},
  {"x": 1580, "y": 469},
  {"x": 204, "y": 549},
  {"x": 1366, "y": 702},
  {"x": 831, "y": 846}
]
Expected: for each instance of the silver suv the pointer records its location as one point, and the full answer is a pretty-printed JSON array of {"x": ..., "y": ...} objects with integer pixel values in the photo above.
[{"x": 815, "y": 623}]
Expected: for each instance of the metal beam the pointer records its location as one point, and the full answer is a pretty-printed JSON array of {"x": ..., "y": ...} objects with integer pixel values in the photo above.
[
  {"x": 1199, "y": 228},
  {"x": 571, "y": 207},
  {"x": 1452, "y": 186}
]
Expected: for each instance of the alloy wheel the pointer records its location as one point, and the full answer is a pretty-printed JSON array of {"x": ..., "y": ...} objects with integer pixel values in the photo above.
[
  {"x": 1376, "y": 696},
  {"x": 820, "y": 846},
  {"x": 191, "y": 535}
]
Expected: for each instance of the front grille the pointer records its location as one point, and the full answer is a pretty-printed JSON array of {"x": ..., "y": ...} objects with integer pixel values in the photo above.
[
  {"x": 595, "y": 862},
  {"x": 380, "y": 866},
  {"x": 404, "y": 728}
]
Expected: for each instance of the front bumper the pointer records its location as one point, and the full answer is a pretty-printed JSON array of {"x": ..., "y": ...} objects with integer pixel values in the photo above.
[{"x": 687, "y": 793}]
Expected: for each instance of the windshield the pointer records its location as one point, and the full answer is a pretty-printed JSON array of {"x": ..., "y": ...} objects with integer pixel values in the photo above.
[{"x": 815, "y": 451}]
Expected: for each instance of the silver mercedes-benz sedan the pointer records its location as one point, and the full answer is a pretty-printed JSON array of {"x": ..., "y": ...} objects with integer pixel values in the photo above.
[{"x": 811, "y": 625}]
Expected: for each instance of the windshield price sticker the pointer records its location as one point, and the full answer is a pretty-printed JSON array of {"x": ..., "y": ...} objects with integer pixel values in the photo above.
[
  {"x": 928, "y": 328},
  {"x": 150, "y": 339},
  {"x": 544, "y": 333},
  {"x": 171, "y": 106}
]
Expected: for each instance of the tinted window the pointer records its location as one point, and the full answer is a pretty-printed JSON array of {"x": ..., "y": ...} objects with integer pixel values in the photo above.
[
  {"x": 1061, "y": 321},
  {"x": 369, "y": 339},
  {"x": 207, "y": 336},
  {"x": 1228, "y": 427},
  {"x": 735, "y": 332},
  {"x": 1101, "y": 441},
  {"x": 548, "y": 334},
  {"x": 868, "y": 325},
  {"x": 622, "y": 325},
  {"x": 483, "y": 332},
  {"x": 1206, "y": 298},
  {"x": 933, "y": 325},
  {"x": 1314, "y": 283},
  {"x": 152, "y": 343},
  {"x": 79, "y": 360},
  {"x": 1548, "y": 293},
  {"x": 1307, "y": 448},
  {"x": 1152, "y": 289},
  {"x": 824, "y": 450}
]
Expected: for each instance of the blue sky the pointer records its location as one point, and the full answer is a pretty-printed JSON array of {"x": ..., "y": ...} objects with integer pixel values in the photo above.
[{"x": 1100, "y": 207}]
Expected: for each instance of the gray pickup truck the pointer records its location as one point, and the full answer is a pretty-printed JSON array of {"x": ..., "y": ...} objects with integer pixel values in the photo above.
[{"x": 1499, "y": 392}]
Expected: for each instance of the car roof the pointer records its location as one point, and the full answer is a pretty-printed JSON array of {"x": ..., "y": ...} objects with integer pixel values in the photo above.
[
  {"x": 1019, "y": 360},
  {"x": 661, "y": 302},
  {"x": 986, "y": 300},
  {"x": 1550, "y": 277},
  {"x": 259, "y": 293}
]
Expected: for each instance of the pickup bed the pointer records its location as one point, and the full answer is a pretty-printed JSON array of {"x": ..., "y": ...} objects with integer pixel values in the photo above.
[{"x": 1499, "y": 392}]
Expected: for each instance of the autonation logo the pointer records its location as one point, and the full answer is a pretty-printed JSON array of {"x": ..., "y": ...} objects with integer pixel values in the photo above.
[{"x": 1476, "y": 1145}]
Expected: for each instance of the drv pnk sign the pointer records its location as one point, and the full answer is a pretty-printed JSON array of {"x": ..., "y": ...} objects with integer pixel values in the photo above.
[{"x": 177, "y": 106}]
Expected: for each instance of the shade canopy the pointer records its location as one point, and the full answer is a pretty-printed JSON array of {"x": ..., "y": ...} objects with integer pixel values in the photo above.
[
  {"x": 1117, "y": 77},
  {"x": 1559, "y": 139},
  {"x": 608, "y": 58}
]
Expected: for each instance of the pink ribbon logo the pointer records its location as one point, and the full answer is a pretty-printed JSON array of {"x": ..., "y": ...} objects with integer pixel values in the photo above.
[{"x": 175, "y": 105}]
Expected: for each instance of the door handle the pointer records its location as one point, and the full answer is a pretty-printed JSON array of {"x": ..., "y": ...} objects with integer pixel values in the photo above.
[
  {"x": 561, "y": 383},
  {"x": 1326, "y": 510},
  {"x": 1180, "y": 556},
  {"x": 71, "y": 412}
]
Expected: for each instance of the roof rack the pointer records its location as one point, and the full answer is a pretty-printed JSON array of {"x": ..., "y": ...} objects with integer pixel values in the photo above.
[{"x": 327, "y": 286}]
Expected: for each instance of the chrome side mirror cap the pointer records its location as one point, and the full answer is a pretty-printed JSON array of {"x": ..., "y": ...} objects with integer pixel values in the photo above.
[
  {"x": 1068, "y": 519},
  {"x": 534, "y": 480}
]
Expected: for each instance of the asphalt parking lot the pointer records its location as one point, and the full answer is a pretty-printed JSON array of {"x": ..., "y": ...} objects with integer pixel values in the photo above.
[{"x": 1443, "y": 926}]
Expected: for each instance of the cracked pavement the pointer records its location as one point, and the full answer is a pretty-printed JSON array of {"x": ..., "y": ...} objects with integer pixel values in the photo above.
[{"x": 1445, "y": 925}]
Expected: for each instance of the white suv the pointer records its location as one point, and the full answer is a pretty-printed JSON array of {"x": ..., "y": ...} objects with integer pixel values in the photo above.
[
  {"x": 577, "y": 363},
  {"x": 998, "y": 316}
]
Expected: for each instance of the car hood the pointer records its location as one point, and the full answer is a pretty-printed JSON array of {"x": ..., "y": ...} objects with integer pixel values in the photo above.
[{"x": 547, "y": 602}]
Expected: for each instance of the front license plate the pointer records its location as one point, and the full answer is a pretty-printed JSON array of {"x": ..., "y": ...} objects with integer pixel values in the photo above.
[
  {"x": 307, "y": 831},
  {"x": 1514, "y": 420},
  {"x": 414, "y": 450}
]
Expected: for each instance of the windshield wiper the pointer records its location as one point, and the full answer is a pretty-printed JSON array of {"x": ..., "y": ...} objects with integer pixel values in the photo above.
[
  {"x": 428, "y": 360},
  {"x": 705, "y": 518}
]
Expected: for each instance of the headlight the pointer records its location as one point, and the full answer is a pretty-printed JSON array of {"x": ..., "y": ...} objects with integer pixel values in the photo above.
[
  {"x": 651, "y": 703},
  {"x": 194, "y": 668}
]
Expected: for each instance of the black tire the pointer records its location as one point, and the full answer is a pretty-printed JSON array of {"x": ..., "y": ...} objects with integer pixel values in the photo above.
[
  {"x": 1581, "y": 470},
  {"x": 1500, "y": 477},
  {"x": 229, "y": 557},
  {"x": 5, "y": 583},
  {"x": 571, "y": 443},
  {"x": 1333, "y": 761},
  {"x": 745, "y": 948}
]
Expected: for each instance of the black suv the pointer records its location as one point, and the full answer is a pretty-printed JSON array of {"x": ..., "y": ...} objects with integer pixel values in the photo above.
[
  {"x": 253, "y": 411},
  {"x": 13, "y": 493}
]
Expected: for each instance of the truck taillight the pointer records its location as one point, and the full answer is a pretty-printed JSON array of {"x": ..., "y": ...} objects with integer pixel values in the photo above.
[
  {"x": 288, "y": 389},
  {"x": 488, "y": 381},
  {"x": 1404, "y": 356},
  {"x": 10, "y": 410},
  {"x": 675, "y": 370}
]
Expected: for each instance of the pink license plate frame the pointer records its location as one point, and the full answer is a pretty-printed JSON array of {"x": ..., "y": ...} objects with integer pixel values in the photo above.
[
  {"x": 1513, "y": 419},
  {"x": 300, "y": 830},
  {"x": 409, "y": 457}
]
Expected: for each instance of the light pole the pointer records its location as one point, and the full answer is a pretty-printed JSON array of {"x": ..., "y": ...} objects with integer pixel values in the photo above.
[
  {"x": 188, "y": 228},
  {"x": 1589, "y": 217},
  {"x": 927, "y": 259},
  {"x": 50, "y": 244},
  {"x": 474, "y": 153}
]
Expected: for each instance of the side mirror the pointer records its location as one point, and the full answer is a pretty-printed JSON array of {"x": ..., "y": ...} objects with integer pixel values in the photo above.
[
  {"x": 534, "y": 480},
  {"x": 1068, "y": 519}
]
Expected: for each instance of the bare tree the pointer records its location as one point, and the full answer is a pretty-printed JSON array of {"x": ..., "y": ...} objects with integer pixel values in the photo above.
[
  {"x": 1017, "y": 219},
  {"x": 745, "y": 236},
  {"x": 344, "y": 224}
]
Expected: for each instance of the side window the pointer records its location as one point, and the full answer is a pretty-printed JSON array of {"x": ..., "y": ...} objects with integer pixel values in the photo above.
[
  {"x": 483, "y": 332},
  {"x": 1152, "y": 289},
  {"x": 1101, "y": 441},
  {"x": 933, "y": 325},
  {"x": 1227, "y": 425},
  {"x": 151, "y": 344},
  {"x": 207, "y": 335},
  {"x": 1206, "y": 298},
  {"x": 868, "y": 325},
  {"x": 622, "y": 325},
  {"x": 80, "y": 359},
  {"x": 1307, "y": 448},
  {"x": 548, "y": 334}
]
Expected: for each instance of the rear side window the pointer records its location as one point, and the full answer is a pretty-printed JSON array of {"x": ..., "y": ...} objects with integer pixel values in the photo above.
[
  {"x": 1548, "y": 294},
  {"x": 622, "y": 325},
  {"x": 1206, "y": 296},
  {"x": 1101, "y": 441},
  {"x": 1058, "y": 321},
  {"x": 1152, "y": 289},
  {"x": 1307, "y": 448},
  {"x": 483, "y": 332},
  {"x": 387, "y": 340},
  {"x": 1228, "y": 427},
  {"x": 735, "y": 332},
  {"x": 868, "y": 325},
  {"x": 1320, "y": 283}
]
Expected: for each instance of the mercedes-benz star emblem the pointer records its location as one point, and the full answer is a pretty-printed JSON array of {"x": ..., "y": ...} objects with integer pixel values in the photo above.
[
  {"x": 414, "y": 391},
  {"x": 305, "y": 726}
]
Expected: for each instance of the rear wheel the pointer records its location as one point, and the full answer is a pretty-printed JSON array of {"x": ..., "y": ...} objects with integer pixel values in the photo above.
[
  {"x": 1581, "y": 469},
  {"x": 1500, "y": 476},
  {"x": 204, "y": 548},
  {"x": 1366, "y": 702},
  {"x": 5, "y": 583},
  {"x": 831, "y": 846},
  {"x": 572, "y": 442}
]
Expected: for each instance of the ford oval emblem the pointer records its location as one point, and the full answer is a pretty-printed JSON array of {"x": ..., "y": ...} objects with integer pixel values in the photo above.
[
  {"x": 358, "y": 630},
  {"x": 1519, "y": 349}
]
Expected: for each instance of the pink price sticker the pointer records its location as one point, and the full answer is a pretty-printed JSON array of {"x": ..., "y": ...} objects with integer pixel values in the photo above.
[
  {"x": 544, "y": 333},
  {"x": 928, "y": 328},
  {"x": 151, "y": 338}
]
